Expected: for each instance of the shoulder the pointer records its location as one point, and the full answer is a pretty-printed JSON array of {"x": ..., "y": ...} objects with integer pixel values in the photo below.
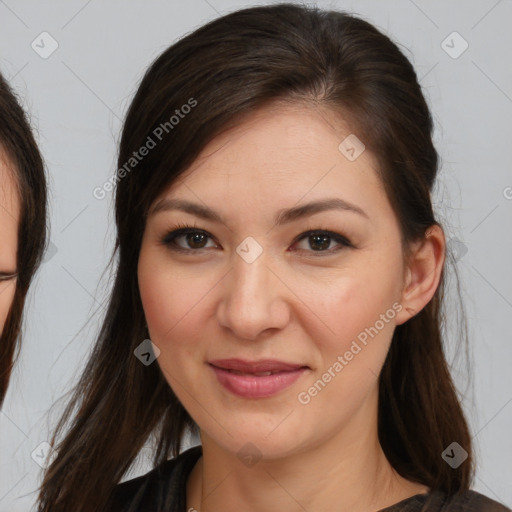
[
  {"x": 439, "y": 501},
  {"x": 472, "y": 501},
  {"x": 467, "y": 501},
  {"x": 162, "y": 488}
]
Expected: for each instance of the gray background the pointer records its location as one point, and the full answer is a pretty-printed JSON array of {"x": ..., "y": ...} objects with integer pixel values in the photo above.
[{"x": 77, "y": 98}]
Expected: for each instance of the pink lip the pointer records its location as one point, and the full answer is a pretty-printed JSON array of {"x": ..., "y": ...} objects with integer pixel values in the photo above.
[{"x": 254, "y": 386}]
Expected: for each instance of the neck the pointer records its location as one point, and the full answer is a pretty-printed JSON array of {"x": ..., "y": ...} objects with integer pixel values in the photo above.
[{"x": 348, "y": 472}]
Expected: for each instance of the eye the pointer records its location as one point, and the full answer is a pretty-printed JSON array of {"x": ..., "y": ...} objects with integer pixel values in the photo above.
[
  {"x": 192, "y": 239},
  {"x": 7, "y": 277},
  {"x": 319, "y": 241}
]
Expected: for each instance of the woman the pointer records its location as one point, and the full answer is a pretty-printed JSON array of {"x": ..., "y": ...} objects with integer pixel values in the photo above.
[
  {"x": 276, "y": 243},
  {"x": 22, "y": 222}
]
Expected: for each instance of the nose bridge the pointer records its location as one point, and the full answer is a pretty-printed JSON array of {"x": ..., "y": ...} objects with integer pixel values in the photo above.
[
  {"x": 252, "y": 301},
  {"x": 250, "y": 279}
]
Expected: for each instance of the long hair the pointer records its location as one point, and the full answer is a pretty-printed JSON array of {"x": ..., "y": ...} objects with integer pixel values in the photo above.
[
  {"x": 224, "y": 70},
  {"x": 25, "y": 164}
]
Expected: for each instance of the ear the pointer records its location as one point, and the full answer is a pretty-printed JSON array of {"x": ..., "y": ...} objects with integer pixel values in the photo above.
[{"x": 423, "y": 273}]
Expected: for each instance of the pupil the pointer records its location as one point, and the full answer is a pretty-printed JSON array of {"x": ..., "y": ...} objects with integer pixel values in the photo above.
[
  {"x": 321, "y": 240},
  {"x": 194, "y": 238}
]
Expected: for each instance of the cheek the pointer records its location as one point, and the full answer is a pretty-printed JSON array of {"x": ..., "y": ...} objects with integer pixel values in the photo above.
[
  {"x": 355, "y": 320},
  {"x": 7, "y": 290},
  {"x": 173, "y": 301},
  {"x": 168, "y": 303},
  {"x": 353, "y": 301},
  {"x": 351, "y": 355}
]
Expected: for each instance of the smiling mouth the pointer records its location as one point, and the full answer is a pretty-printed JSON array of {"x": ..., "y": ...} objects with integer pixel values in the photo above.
[{"x": 259, "y": 379}]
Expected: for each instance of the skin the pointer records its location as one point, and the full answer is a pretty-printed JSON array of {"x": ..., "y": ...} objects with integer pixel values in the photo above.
[
  {"x": 291, "y": 304},
  {"x": 9, "y": 219}
]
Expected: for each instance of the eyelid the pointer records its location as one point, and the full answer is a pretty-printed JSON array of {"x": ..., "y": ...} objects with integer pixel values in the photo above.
[{"x": 7, "y": 277}]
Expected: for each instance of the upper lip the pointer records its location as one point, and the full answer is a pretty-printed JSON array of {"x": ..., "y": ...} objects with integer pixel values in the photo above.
[{"x": 263, "y": 365}]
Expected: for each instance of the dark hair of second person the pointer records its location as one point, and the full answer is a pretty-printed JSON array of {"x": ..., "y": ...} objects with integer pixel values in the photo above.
[{"x": 23, "y": 206}]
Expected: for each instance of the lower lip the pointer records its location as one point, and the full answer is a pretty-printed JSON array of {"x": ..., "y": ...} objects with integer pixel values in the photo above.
[{"x": 252, "y": 386}]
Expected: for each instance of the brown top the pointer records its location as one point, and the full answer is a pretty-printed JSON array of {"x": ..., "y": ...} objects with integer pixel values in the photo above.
[{"x": 164, "y": 490}]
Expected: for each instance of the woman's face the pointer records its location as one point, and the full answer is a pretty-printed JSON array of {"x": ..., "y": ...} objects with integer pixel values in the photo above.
[
  {"x": 9, "y": 218},
  {"x": 319, "y": 310}
]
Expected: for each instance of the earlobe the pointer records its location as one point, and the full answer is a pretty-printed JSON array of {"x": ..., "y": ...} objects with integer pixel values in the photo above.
[{"x": 423, "y": 273}]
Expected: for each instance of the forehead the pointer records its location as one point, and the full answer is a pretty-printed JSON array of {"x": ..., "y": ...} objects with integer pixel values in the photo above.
[
  {"x": 280, "y": 135},
  {"x": 9, "y": 197},
  {"x": 278, "y": 155}
]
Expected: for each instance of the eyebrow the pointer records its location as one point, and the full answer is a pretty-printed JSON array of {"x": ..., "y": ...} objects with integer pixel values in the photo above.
[{"x": 283, "y": 216}]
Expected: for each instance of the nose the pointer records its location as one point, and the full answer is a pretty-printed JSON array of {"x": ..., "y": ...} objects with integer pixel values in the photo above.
[{"x": 253, "y": 300}]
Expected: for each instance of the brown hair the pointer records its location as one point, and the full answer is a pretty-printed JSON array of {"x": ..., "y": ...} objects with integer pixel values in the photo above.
[
  {"x": 230, "y": 67},
  {"x": 26, "y": 165}
]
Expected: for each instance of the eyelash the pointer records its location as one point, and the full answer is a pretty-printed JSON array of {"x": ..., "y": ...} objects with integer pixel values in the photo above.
[
  {"x": 7, "y": 277},
  {"x": 169, "y": 240}
]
